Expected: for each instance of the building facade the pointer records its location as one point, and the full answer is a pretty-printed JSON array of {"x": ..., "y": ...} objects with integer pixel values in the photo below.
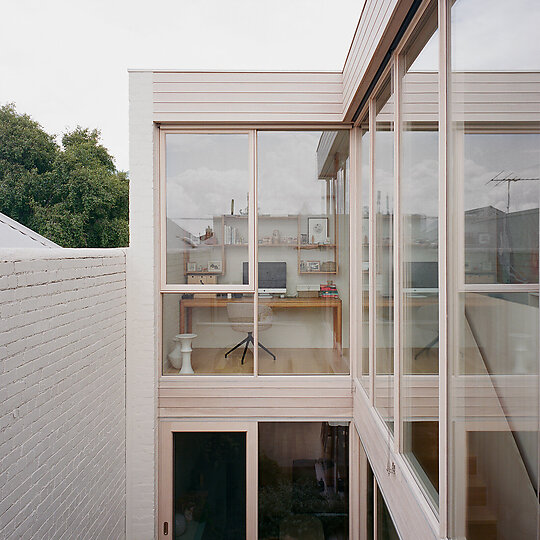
[{"x": 332, "y": 288}]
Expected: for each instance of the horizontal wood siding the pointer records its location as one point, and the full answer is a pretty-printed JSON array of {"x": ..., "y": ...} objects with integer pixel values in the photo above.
[
  {"x": 478, "y": 97},
  {"x": 373, "y": 24},
  {"x": 258, "y": 398},
  {"x": 247, "y": 97}
]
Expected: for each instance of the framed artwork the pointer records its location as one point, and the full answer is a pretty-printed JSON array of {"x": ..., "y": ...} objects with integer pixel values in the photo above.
[
  {"x": 215, "y": 266},
  {"x": 314, "y": 266},
  {"x": 317, "y": 230}
]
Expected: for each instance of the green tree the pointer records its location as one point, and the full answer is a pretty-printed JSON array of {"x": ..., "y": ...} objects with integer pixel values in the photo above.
[{"x": 73, "y": 195}]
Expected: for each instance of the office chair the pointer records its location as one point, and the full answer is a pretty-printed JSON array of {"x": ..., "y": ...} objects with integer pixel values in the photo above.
[{"x": 241, "y": 316}]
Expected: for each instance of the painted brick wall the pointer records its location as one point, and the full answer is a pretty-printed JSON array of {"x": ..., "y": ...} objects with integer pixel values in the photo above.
[{"x": 62, "y": 394}]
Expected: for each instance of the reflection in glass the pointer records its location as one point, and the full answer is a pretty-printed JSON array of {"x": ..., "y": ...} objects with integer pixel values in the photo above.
[
  {"x": 501, "y": 198},
  {"x": 494, "y": 392},
  {"x": 499, "y": 396},
  {"x": 384, "y": 252},
  {"x": 303, "y": 250},
  {"x": 207, "y": 185},
  {"x": 420, "y": 251},
  {"x": 303, "y": 480},
  {"x": 209, "y": 486},
  {"x": 364, "y": 282},
  {"x": 216, "y": 327}
]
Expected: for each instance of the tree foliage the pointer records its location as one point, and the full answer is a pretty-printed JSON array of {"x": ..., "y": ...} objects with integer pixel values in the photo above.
[{"x": 71, "y": 194}]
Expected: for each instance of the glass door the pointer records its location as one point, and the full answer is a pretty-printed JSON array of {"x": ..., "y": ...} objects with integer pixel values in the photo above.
[{"x": 205, "y": 469}]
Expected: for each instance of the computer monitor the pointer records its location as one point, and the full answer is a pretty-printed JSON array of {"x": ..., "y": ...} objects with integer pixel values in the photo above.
[
  {"x": 422, "y": 275},
  {"x": 272, "y": 277}
]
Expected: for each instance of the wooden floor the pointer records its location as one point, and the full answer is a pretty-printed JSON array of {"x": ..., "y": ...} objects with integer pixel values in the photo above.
[{"x": 288, "y": 361}]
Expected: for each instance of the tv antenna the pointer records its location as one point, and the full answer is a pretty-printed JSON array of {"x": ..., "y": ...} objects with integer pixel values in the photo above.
[{"x": 510, "y": 178}]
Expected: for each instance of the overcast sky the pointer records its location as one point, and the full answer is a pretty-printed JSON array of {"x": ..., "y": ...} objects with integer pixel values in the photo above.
[{"x": 65, "y": 62}]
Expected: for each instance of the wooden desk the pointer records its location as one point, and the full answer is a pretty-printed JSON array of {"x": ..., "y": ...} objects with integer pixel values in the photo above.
[{"x": 187, "y": 305}]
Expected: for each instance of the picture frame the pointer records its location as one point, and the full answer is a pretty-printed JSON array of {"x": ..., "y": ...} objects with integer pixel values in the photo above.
[
  {"x": 313, "y": 266},
  {"x": 215, "y": 266},
  {"x": 317, "y": 230}
]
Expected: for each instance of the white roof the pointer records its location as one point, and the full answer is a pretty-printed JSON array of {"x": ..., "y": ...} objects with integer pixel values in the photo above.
[{"x": 15, "y": 235}]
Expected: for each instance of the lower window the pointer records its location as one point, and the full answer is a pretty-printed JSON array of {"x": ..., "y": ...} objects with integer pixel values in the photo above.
[{"x": 303, "y": 480}]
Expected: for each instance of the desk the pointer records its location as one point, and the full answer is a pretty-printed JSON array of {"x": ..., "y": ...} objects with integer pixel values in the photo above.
[{"x": 187, "y": 305}]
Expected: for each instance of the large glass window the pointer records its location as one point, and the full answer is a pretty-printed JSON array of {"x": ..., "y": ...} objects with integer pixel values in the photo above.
[
  {"x": 303, "y": 250},
  {"x": 383, "y": 208},
  {"x": 493, "y": 292},
  {"x": 209, "y": 333},
  {"x": 303, "y": 480},
  {"x": 419, "y": 198},
  {"x": 209, "y": 488},
  {"x": 299, "y": 321}
]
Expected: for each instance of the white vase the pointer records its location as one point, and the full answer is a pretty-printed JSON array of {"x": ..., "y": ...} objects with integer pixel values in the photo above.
[
  {"x": 180, "y": 356},
  {"x": 175, "y": 356}
]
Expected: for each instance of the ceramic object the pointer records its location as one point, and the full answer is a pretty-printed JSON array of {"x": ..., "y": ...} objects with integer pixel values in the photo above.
[{"x": 180, "y": 356}]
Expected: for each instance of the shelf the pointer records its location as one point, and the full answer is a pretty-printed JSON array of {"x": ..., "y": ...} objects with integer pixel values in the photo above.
[
  {"x": 334, "y": 272},
  {"x": 263, "y": 245},
  {"x": 203, "y": 273},
  {"x": 316, "y": 246},
  {"x": 260, "y": 216},
  {"x": 278, "y": 245}
]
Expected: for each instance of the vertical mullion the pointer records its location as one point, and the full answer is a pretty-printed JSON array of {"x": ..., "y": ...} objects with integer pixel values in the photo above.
[
  {"x": 252, "y": 481},
  {"x": 396, "y": 72},
  {"x": 371, "y": 251},
  {"x": 354, "y": 483},
  {"x": 444, "y": 450},
  {"x": 354, "y": 294},
  {"x": 254, "y": 251},
  {"x": 162, "y": 175}
]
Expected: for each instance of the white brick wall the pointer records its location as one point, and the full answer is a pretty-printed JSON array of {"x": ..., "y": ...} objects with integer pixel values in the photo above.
[
  {"x": 62, "y": 394},
  {"x": 142, "y": 302}
]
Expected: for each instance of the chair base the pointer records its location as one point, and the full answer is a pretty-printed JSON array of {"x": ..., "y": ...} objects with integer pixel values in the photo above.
[{"x": 246, "y": 341}]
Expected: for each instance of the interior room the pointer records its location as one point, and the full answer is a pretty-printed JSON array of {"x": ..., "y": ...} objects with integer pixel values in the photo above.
[{"x": 301, "y": 227}]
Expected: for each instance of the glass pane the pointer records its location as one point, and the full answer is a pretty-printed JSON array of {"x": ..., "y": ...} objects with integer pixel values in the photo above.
[
  {"x": 384, "y": 252},
  {"x": 494, "y": 392},
  {"x": 502, "y": 180},
  {"x": 364, "y": 281},
  {"x": 386, "y": 529},
  {"x": 303, "y": 246},
  {"x": 209, "y": 486},
  {"x": 496, "y": 389},
  {"x": 208, "y": 333},
  {"x": 303, "y": 480},
  {"x": 367, "y": 481},
  {"x": 207, "y": 186},
  {"x": 420, "y": 247}
]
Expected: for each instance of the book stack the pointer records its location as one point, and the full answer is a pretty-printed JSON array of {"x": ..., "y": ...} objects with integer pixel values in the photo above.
[
  {"x": 232, "y": 235},
  {"x": 328, "y": 290}
]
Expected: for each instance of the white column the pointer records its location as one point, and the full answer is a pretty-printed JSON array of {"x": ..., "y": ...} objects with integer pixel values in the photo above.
[{"x": 141, "y": 324}]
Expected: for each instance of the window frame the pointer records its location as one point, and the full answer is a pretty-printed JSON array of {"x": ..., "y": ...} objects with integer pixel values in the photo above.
[
  {"x": 253, "y": 254},
  {"x": 209, "y": 288}
]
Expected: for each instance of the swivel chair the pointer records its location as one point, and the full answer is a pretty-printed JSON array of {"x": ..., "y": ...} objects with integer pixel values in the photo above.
[{"x": 241, "y": 316}]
